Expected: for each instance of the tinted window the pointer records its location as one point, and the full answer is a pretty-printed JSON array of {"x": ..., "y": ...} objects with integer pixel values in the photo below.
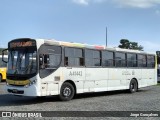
[
  {"x": 150, "y": 61},
  {"x": 69, "y": 52},
  {"x": 74, "y": 57},
  {"x": 92, "y": 58},
  {"x": 131, "y": 60},
  {"x": 120, "y": 59},
  {"x": 107, "y": 58},
  {"x": 142, "y": 61},
  {"x": 50, "y": 59},
  {"x": 53, "y": 60}
]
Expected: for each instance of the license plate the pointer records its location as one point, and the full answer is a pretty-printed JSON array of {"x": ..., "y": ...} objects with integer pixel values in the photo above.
[{"x": 15, "y": 90}]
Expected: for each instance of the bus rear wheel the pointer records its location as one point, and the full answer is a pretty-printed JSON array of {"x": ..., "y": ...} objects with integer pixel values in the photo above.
[
  {"x": 67, "y": 92},
  {"x": 133, "y": 87}
]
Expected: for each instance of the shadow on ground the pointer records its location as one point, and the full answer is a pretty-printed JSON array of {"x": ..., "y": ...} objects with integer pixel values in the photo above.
[{"x": 11, "y": 100}]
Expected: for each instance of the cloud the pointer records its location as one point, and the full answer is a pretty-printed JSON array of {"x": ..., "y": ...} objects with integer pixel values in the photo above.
[
  {"x": 137, "y": 3},
  {"x": 82, "y": 2},
  {"x": 123, "y": 3},
  {"x": 157, "y": 12},
  {"x": 87, "y": 2}
]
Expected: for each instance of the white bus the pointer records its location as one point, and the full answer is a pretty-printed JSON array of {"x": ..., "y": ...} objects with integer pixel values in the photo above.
[{"x": 39, "y": 67}]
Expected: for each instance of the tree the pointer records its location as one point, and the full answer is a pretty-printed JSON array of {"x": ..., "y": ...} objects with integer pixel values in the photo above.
[{"x": 126, "y": 44}]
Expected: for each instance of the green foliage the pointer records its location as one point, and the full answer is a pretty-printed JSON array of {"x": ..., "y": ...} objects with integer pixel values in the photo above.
[{"x": 126, "y": 44}]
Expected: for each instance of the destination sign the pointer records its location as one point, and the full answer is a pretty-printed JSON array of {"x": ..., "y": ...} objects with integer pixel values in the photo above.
[{"x": 22, "y": 44}]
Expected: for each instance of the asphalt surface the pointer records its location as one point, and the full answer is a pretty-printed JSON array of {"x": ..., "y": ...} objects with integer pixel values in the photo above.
[{"x": 146, "y": 99}]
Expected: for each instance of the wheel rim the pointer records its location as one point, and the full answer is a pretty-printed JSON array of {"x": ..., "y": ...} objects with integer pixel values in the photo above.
[{"x": 67, "y": 92}]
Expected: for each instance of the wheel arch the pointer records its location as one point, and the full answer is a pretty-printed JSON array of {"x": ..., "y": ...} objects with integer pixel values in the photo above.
[{"x": 72, "y": 83}]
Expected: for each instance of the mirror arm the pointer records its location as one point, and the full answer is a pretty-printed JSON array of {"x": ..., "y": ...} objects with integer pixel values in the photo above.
[{"x": 3, "y": 55}]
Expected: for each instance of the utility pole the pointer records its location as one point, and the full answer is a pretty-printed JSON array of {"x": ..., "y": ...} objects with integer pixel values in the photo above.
[{"x": 106, "y": 36}]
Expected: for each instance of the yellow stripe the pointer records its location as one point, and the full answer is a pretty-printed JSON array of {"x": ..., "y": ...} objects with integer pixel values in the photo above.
[{"x": 18, "y": 82}]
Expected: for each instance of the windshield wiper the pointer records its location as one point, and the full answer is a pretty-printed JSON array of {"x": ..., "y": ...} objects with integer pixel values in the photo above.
[
  {"x": 29, "y": 66},
  {"x": 18, "y": 63}
]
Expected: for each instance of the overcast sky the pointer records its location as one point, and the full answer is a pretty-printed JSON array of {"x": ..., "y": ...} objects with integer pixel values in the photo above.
[{"x": 83, "y": 21}]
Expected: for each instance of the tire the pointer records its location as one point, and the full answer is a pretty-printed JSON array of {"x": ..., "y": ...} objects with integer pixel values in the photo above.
[
  {"x": 67, "y": 92},
  {"x": 0, "y": 78},
  {"x": 133, "y": 87}
]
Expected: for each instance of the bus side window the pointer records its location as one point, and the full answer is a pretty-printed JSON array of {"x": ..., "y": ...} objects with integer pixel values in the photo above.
[
  {"x": 81, "y": 61},
  {"x": 73, "y": 57},
  {"x": 46, "y": 60},
  {"x": 142, "y": 60},
  {"x": 120, "y": 59},
  {"x": 150, "y": 61},
  {"x": 131, "y": 60},
  {"x": 49, "y": 59},
  {"x": 66, "y": 61},
  {"x": 107, "y": 59}
]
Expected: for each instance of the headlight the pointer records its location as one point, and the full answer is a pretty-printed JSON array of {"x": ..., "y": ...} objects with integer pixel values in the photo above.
[{"x": 31, "y": 83}]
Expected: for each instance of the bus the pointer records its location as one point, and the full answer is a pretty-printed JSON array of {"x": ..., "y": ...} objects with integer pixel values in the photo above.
[
  {"x": 158, "y": 66},
  {"x": 158, "y": 73},
  {"x": 41, "y": 67},
  {"x": 3, "y": 68}
]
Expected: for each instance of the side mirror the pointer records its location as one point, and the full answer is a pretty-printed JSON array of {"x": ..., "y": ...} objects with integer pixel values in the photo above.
[
  {"x": 41, "y": 61},
  {"x": 46, "y": 59},
  {"x": 3, "y": 53}
]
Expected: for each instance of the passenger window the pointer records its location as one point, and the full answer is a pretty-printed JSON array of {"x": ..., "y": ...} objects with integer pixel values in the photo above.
[
  {"x": 120, "y": 59},
  {"x": 131, "y": 60},
  {"x": 142, "y": 61},
  {"x": 107, "y": 58},
  {"x": 150, "y": 61},
  {"x": 92, "y": 58},
  {"x": 74, "y": 57}
]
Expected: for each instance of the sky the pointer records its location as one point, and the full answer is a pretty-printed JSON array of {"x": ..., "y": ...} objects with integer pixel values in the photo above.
[{"x": 82, "y": 21}]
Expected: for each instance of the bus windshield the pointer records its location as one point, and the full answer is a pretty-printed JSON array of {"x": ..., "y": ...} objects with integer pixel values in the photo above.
[{"x": 22, "y": 62}]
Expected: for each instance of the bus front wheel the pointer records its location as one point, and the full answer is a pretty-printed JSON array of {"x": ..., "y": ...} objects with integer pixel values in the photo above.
[
  {"x": 67, "y": 92},
  {"x": 133, "y": 87}
]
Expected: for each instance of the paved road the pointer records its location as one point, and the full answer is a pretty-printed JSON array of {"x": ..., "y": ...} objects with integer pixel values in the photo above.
[{"x": 146, "y": 99}]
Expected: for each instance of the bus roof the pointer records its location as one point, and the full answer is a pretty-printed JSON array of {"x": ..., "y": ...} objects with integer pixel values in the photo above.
[{"x": 99, "y": 47}]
